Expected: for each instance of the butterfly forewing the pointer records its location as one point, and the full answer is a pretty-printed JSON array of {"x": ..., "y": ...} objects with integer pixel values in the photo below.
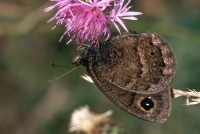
[{"x": 141, "y": 63}]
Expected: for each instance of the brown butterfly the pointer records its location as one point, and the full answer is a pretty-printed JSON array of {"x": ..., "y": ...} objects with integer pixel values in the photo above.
[{"x": 134, "y": 71}]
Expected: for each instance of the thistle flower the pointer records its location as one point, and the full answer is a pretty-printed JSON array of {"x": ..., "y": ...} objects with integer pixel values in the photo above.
[{"x": 89, "y": 20}]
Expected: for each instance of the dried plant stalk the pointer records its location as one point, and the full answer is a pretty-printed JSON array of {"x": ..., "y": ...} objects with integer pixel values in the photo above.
[{"x": 193, "y": 97}]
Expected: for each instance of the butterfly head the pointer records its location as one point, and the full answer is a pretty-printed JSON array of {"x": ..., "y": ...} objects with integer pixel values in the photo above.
[{"x": 77, "y": 60}]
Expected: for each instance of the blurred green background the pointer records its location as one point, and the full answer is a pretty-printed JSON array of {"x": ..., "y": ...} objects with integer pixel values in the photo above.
[{"x": 31, "y": 105}]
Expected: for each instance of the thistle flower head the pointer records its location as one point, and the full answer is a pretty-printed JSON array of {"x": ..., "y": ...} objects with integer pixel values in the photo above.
[{"x": 89, "y": 20}]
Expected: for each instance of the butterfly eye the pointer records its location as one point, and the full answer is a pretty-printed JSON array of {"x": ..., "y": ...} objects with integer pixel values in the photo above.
[{"x": 147, "y": 103}]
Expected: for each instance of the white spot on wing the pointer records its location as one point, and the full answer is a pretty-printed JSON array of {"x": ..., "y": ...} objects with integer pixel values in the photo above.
[{"x": 87, "y": 78}]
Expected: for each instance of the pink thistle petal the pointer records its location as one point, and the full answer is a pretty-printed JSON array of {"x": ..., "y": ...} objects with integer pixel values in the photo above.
[
  {"x": 87, "y": 21},
  {"x": 120, "y": 13}
]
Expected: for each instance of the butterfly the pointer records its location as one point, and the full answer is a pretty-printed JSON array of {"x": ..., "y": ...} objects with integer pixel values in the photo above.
[{"x": 134, "y": 71}]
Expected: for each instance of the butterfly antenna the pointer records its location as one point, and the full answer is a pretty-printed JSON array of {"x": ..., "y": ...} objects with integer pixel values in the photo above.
[
  {"x": 62, "y": 75},
  {"x": 55, "y": 65}
]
